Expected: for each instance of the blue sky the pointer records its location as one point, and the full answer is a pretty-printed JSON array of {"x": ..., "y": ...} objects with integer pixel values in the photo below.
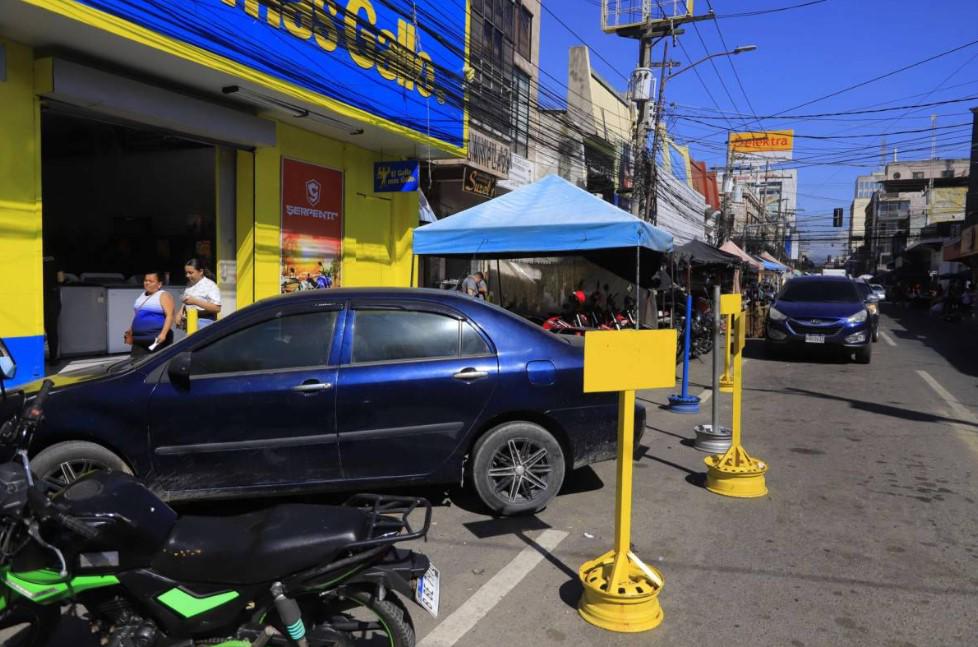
[{"x": 802, "y": 54}]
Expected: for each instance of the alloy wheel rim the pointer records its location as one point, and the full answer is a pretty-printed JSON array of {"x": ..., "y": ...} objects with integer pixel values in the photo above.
[
  {"x": 520, "y": 471},
  {"x": 67, "y": 472}
]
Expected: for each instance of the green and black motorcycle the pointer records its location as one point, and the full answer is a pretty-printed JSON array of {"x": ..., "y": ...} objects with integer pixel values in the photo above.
[{"x": 142, "y": 576}]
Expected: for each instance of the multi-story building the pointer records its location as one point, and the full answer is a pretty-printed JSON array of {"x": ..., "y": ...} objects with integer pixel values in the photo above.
[
  {"x": 912, "y": 196},
  {"x": 866, "y": 186},
  {"x": 504, "y": 54}
]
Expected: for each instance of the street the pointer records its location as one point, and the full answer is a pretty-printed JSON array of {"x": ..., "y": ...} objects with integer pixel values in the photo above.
[{"x": 866, "y": 537}]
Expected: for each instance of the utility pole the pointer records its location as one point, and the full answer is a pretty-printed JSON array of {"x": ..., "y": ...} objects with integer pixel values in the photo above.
[{"x": 651, "y": 201}]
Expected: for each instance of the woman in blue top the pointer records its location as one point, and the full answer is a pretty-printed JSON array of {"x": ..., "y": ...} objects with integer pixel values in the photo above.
[{"x": 152, "y": 319}]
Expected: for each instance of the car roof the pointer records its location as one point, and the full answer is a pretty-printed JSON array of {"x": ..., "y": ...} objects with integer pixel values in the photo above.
[
  {"x": 352, "y": 293},
  {"x": 821, "y": 277}
]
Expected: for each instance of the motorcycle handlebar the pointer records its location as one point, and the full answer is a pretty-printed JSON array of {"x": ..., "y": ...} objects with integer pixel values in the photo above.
[
  {"x": 36, "y": 409},
  {"x": 75, "y": 525},
  {"x": 45, "y": 509}
]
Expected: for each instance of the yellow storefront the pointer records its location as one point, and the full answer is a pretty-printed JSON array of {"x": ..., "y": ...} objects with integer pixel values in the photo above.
[{"x": 200, "y": 107}]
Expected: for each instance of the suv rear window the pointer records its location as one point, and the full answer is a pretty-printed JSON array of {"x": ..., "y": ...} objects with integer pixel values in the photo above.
[{"x": 820, "y": 291}]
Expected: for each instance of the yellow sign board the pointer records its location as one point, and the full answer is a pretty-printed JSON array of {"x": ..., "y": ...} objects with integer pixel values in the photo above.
[
  {"x": 730, "y": 304},
  {"x": 628, "y": 360},
  {"x": 762, "y": 142}
]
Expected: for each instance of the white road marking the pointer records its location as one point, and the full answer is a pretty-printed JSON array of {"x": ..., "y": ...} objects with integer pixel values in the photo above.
[
  {"x": 452, "y": 628},
  {"x": 968, "y": 421},
  {"x": 705, "y": 395},
  {"x": 887, "y": 338}
]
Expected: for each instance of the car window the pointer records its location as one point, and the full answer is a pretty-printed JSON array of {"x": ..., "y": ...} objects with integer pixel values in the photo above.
[
  {"x": 290, "y": 341},
  {"x": 390, "y": 335},
  {"x": 864, "y": 289},
  {"x": 820, "y": 291},
  {"x": 472, "y": 341}
]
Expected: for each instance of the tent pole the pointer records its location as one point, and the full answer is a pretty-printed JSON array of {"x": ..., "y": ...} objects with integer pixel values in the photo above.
[
  {"x": 638, "y": 287},
  {"x": 413, "y": 261},
  {"x": 499, "y": 284}
]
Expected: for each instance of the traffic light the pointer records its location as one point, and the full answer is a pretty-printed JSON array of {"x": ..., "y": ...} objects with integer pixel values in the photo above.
[{"x": 837, "y": 217}]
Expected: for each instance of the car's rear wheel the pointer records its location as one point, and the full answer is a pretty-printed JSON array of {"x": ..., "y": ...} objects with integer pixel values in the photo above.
[
  {"x": 517, "y": 468},
  {"x": 864, "y": 354},
  {"x": 62, "y": 464}
]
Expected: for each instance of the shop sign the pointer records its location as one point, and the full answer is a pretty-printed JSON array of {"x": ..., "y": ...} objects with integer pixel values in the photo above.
[
  {"x": 969, "y": 245},
  {"x": 762, "y": 142},
  {"x": 396, "y": 176},
  {"x": 489, "y": 155},
  {"x": 478, "y": 182},
  {"x": 312, "y": 224},
  {"x": 520, "y": 173},
  {"x": 401, "y": 62}
]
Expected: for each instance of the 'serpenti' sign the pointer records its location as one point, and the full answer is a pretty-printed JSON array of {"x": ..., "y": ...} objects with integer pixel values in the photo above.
[
  {"x": 396, "y": 176},
  {"x": 400, "y": 61}
]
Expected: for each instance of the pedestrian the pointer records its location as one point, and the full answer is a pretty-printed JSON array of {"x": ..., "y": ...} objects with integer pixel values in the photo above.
[
  {"x": 202, "y": 294},
  {"x": 152, "y": 320},
  {"x": 475, "y": 286}
]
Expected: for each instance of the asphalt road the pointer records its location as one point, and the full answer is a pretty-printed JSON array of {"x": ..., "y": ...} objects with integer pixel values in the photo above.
[{"x": 867, "y": 536}]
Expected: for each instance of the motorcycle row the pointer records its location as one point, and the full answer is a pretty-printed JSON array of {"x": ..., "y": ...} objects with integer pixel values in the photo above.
[
  {"x": 599, "y": 311},
  {"x": 141, "y": 575}
]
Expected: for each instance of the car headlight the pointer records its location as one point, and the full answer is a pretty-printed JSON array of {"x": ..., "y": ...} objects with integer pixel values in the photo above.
[
  {"x": 859, "y": 317},
  {"x": 775, "y": 314}
]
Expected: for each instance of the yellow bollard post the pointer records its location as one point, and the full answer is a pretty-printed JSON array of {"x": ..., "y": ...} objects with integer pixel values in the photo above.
[
  {"x": 192, "y": 324},
  {"x": 620, "y": 590},
  {"x": 726, "y": 380},
  {"x": 736, "y": 473}
]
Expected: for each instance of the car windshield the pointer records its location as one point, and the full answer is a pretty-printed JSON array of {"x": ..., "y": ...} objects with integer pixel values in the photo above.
[{"x": 820, "y": 291}]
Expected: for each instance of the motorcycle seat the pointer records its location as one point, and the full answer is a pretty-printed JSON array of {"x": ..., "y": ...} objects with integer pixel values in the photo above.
[{"x": 258, "y": 546}]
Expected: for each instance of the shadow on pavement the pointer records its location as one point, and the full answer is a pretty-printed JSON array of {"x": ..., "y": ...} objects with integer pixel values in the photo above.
[
  {"x": 814, "y": 354},
  {"x": 956, "y": 342},
  {"x": 871, "y": 407}
]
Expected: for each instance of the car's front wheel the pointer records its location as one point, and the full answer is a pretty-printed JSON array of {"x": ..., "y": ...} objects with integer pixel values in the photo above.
[
  {"x": 864, "y": 354},
  {"x": 62, "y": 464},
  {"x": 517, "y": 468}
]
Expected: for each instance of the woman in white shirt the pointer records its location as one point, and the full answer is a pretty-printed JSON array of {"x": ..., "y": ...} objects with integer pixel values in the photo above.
[{"x": 202, "y": 294}]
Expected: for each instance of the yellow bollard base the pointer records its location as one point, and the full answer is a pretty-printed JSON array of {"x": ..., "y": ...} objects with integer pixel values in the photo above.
[
  {"x": 726, "y": 385},
  {"x": 744, "y": 480},
  {"x": 632, "y": 607}
]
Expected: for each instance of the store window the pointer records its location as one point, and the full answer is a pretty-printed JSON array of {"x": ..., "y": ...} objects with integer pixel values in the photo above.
[
  {"x": 292, "y": 341},
  {"x": 918, "y": 175},
  {"x": 524, "y": 33},
  {"x": 520, "y": 117}
]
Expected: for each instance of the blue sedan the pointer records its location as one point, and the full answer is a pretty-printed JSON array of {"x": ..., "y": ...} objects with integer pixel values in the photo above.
[
  {"x": 817, "y": 311},
  {"x": 340, "y": 389}
]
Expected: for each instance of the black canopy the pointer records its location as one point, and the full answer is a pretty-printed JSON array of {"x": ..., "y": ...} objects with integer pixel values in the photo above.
[{"x": 699, "y": 253}]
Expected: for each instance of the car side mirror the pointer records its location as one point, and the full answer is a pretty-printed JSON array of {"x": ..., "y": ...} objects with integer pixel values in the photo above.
[
  {"x": 178, "y": 370},
  {"x": 8, "y": 367}
]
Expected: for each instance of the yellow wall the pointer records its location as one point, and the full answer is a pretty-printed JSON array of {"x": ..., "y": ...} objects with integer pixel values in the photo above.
[
  {"x": 611, "y": 115},
  {"x": 946, "y": 203},
  {"x": 376, "y": 227},
  {"x": 20, "y": 198}
]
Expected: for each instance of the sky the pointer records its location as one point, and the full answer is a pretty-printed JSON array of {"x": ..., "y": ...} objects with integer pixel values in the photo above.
[{"x": 803, "y": 54}]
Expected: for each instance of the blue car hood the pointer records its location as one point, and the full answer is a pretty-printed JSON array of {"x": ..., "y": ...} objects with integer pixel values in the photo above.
[{"x": 817, "y": 309}]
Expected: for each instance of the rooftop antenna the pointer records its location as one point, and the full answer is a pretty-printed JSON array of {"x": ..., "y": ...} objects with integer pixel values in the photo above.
[
  {"x": 882, "y": 152},
  {"x": 933, "y": 137}
]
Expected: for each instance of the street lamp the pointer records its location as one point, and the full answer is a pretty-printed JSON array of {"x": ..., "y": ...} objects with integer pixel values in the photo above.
[{"x": 737, "y": 50}]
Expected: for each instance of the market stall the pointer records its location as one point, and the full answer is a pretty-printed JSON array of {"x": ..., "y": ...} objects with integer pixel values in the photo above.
[{"x": 550, "y": 218}]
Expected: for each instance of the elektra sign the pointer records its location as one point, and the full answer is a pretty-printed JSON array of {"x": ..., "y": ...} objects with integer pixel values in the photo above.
[{"x": 398, "y": 64}]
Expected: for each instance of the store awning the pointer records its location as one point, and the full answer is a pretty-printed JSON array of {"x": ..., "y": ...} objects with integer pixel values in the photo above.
[
  {"x": 732, "y": 248},
  {"x": 699, "y": 253},
  {"x": 550, "y": 217},
  {"x": 771, "y": 266}
]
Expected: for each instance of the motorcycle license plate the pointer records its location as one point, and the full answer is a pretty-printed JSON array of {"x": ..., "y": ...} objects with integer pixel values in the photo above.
[
  {"x": 428, "y": 591},
  {"x": 814, "y": 339}
]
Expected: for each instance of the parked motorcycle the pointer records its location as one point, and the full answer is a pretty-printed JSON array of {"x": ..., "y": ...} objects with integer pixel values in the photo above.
[{"x": 292, "y": 574}]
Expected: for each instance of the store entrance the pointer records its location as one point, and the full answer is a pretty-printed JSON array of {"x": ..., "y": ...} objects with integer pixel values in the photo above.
[{"x": 118, "y": 202}]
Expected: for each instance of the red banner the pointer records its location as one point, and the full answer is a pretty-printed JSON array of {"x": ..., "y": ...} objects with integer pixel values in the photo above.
[{"x": 312, "y": 225}]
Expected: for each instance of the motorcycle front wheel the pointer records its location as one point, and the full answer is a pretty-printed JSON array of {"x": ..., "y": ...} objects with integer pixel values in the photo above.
[
  {"x": 366, "y": 621},
  {"x": 28, "y": 625}
]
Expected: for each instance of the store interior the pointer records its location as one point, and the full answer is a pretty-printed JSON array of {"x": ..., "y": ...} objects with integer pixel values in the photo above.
[{"x": 118, "y": 201}]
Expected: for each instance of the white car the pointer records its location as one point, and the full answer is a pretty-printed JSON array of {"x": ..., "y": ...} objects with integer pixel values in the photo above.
[{"x": 879, "y": 291}]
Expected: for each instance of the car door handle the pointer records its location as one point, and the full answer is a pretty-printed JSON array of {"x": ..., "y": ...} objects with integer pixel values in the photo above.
[
  {"x": 470, "y": 374},
  {"x": 312, "y": 387}
]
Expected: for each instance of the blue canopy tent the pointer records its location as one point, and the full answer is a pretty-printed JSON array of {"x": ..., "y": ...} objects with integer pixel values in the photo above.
[
  {"x": 550, "y": 217},
  {"x": 771, "y": 266}
]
